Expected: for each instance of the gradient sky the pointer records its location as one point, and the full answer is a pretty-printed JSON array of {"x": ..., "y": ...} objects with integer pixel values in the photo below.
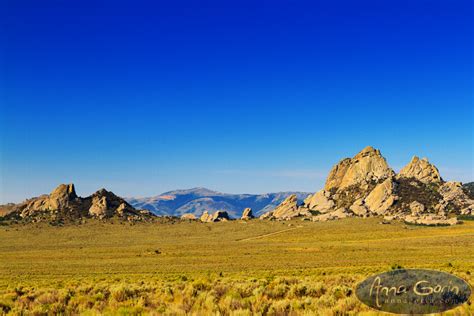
[{"x": 236, "y": 96}]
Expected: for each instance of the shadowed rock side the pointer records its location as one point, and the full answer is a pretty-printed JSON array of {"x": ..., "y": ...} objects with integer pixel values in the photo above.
[
  {"x": 219, "y": 216},
  {"x": 366, "y": 186},
  {"x": 64, "y": 205}
]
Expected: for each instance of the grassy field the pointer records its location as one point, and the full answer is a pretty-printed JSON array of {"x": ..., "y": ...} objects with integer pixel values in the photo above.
[{"x": 235, "y": 268}]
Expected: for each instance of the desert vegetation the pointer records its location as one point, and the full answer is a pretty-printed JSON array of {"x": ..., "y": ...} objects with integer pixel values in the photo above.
[{"x": 227, "y": 268}]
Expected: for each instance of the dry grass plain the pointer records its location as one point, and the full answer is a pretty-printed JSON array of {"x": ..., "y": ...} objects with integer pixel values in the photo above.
[{"x": 228, "y": 268}]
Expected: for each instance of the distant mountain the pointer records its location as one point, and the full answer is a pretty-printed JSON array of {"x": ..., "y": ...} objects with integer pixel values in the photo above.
[{"x": 198, "y": 200}]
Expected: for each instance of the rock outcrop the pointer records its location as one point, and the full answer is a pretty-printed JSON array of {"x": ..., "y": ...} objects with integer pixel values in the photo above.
[
  {"x": 218, "y": 216},
  {"x": 362, "y": 184},
  {"x": 320, "y": 201},
  {"x": 367, "y": 166},
  {"x": 455, "y": 195},
  {"x": 105, "y": 204},
  {"x": 381, "y": 198},
  {"x": 366, "y": 186},
  {"x": 247, "y": 214},
  {"x": 430, "y": 220},
  {"x": 288, "y": 209},
  {"x": 422, "y": 170},
  {"x": 337, "y": 214},
  {"x": 63, "y": 204}
]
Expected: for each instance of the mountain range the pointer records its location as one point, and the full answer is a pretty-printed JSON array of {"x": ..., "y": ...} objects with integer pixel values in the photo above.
[{"x": 198, "y": 200}]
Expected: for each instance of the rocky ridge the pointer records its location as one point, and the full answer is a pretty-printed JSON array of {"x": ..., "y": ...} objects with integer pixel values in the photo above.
[
  {"x": 366, "y": 186},
  {"x": 63, "y": 204}
]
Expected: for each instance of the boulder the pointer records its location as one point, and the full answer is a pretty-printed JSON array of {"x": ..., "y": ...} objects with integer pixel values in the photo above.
[
  {"x": 430, "y": 220},
  {"x": 218, "y": 216},
  {"x": 247, "y": 214},
  {"x": 381, "y": 198},
  {"x": 337, "y": 214},
  {"x": 205, "y": 217},
  {"x": 416, "y": 207},
  {"x": 422, "y": 170},
  {"x": 188, "y": 216},
  {"x": 358, "y": 208},
  {"x": 320, "y": 202}
]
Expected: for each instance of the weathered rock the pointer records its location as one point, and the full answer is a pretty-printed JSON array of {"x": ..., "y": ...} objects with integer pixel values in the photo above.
[
  {"x": 320, "y": 202},
  {"x": 381, "y": 197},
  {"x": 64, "y": 204},
  {"x": 205, "y": 217},
  {"x": 358, "y": 208},
  {"x": 337, "y": 214},
  {"x": 61, "y": 198},
  {"x": 218, "y": 216},
  {"x": 367, "y": 166},
  {"x": 106, "y": 204},
  {"x": 337, "y": 173},
  {"x": 287, "y": 209},
  {"x": 416, "y": 207},
  {"x": 267, "y": 215},
  {"x": 247, "y": 214},
  {"x": 422, "y": 170},
  {"x": 99, "y": 207},
  {"x": 188, "y": 216},
  {"x": 430, "y": 220}
]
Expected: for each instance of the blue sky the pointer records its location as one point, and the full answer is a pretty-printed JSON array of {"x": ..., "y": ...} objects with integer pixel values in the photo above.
[{"x": 245, "y": 97}]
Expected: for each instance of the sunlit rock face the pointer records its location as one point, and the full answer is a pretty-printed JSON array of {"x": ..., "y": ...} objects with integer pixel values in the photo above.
[{"x": 422, "y": 170}]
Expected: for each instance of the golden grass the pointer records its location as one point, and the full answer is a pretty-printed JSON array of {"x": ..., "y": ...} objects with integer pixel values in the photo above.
[{"x": 237, "y": 268}]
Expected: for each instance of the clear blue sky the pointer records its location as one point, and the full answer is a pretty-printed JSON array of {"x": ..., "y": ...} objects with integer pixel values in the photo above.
[{"x": 245, "y": 97}]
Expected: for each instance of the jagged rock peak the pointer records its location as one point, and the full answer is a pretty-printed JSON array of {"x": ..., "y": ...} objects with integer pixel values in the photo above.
[
  {"x": 103, "y": 192},
  {"x": 421, "y": 169},
  {"x": 369, "y": 150},
  {"x": 368, "y": 165},
  {"x": 64, "y": 190}
]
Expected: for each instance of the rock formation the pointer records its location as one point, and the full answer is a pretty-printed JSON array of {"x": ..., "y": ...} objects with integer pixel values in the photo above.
[
  {"x": 63, "y": 204},
  {"x": 422, "y": 170},
  {"x": 366, "y": 186},
  {"x": 455, "y": 195},
  {"x": 247, "y": 214},
  {"x": 320, "y": 201},
  {"x": 367, "y": 166},
  {"x": 288, "y": 209},
  {"x": 105, "y": 204},
  {"x": 218, "y": 216},
  {"x": 381, "y": 198}
]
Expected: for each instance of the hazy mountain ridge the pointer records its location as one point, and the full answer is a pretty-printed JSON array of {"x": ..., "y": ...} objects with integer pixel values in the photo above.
[{"x": 198, "y": 200}]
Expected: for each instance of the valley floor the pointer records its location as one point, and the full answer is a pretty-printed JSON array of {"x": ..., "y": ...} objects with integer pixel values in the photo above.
[{"x": 255, "y": 267}]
